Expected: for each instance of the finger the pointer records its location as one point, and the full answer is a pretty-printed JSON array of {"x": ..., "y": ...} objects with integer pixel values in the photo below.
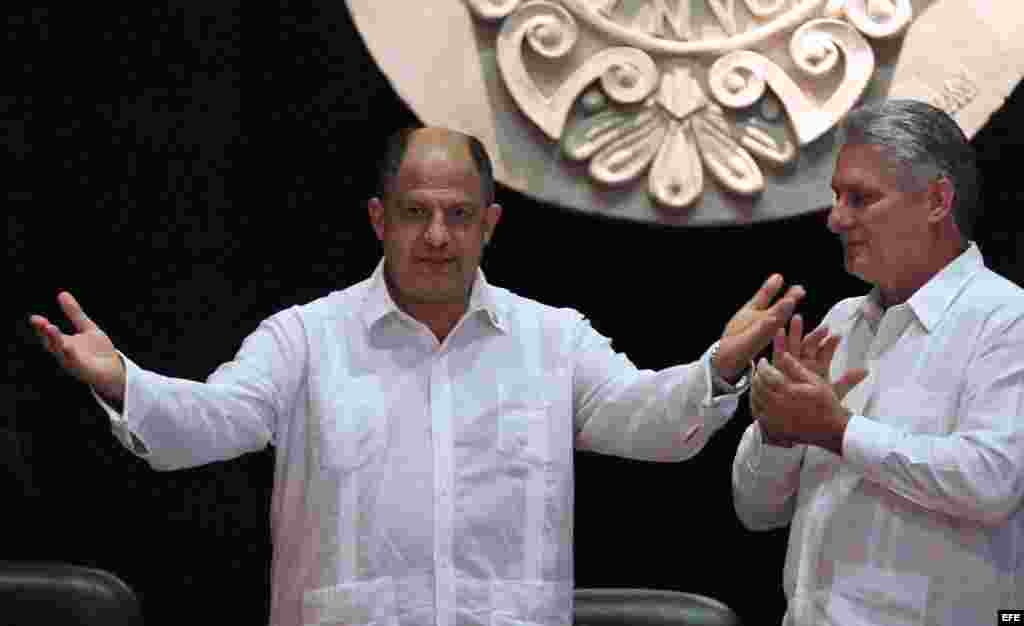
[
  {"x": 768, "y": 403},
  {"x": 812, "y": 343},
  {"x": 50, "y": 336},
  {"x": 784, "y": 308},
  {"x": 771, "y": 378},
  {"x": 848, "y": 381},
  {"x": 756, "y": 410},
  {"x": 828, "y": 350},
  {"x": 74, "y": 312},
  {"x": 53, "y": 342},
  {"x": 793, "y": 369},
  {"x": 796, "y": 333},
  {"x": 39, "y": 324},
  {"x": 757, "y": 399},
  {"x": 778, "y": 344},
  {"x": 766, "y": 293}
]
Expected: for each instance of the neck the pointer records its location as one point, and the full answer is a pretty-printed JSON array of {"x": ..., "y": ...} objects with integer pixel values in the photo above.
[
  {"x": 439, "y": 317},
  {"x": 895, "y": 293}
]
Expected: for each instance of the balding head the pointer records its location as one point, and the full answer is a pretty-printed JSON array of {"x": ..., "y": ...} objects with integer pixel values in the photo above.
[
  {"x": 434, "y": 217},
  {"x": 438, "y": 142}
]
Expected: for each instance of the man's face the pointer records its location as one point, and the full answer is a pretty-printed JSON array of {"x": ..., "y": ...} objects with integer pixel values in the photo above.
[
  {"x": 433, "y": 224},
  {"x": 879, "y": 214}
]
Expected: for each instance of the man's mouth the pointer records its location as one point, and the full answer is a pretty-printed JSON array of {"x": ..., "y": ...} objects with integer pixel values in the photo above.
[{"x": 437, "y": 262}]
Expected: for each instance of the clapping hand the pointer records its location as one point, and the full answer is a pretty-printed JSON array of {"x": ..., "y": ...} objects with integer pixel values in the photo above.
[
  {"x": 752, "y": 327},
  {"x": 793, "y": 398}
]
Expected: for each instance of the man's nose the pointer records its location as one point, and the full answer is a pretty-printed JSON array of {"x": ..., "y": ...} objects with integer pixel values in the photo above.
[
  {"x": 437, "y": 231},
  {"x": 838, "y": 217}
]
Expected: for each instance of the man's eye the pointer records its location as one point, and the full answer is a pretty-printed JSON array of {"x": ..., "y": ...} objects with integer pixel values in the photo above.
[
  {"x": 415, "y": 211},
  {"x": 852, "y": 199},
  {"x": 462, "y": 214}
]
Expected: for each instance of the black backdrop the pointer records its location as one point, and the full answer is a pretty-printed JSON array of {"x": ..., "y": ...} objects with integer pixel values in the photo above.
[{"x": 188, "y": 170}]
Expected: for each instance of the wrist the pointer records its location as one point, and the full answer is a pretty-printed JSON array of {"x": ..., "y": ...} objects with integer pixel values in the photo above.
[
  {"x": 726, "y": 366},
  {"x": 774, "y": 439},
  {"x": 841, "y": 419},
  {"x": 113, "y": 391}
]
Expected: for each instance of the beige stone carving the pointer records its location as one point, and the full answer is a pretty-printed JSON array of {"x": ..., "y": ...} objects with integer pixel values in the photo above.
[
  {"x": 682, "y": 99},
  {"x": 682, "y": 127}
]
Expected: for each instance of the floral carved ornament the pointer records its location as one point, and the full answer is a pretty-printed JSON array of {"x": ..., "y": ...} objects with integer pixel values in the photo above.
[{"x": 664, "y": 89}]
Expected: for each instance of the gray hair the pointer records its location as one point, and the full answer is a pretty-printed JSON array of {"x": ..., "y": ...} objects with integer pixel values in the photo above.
[{"x": 926, "y": 143}]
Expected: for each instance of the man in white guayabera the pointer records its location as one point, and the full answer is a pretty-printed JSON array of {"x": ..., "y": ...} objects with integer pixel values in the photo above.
[
  {"x": 424, "y": 420},
  {"x": 903, "y": 479}
]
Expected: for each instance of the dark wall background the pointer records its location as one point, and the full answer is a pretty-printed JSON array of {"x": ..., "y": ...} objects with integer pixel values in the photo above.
[{"x": 188, "y": 169}]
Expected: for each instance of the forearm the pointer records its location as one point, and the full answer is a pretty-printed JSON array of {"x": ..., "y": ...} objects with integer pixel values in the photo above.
[
  {"x": 765, "y": 479},
  {"x": 668, "y": 415},
  {"x": 974, "y": 475},
  {"x": 182, "y": 423}
]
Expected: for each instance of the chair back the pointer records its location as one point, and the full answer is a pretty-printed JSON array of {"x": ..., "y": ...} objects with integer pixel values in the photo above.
[
  {"x": 61, "y": 594},
  {"x": 648, "y": 607}
]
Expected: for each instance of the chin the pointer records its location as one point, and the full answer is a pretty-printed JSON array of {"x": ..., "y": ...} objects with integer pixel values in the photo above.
[{"x": 439, "y": 293}]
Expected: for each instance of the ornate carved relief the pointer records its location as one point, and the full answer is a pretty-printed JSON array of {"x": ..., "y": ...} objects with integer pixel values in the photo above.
[
  {"x": 669, "y": 89},
  {"x": 684, "y": 112}
]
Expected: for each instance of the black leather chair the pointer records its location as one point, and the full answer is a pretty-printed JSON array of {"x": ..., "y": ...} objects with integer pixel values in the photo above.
[
  {"x": 649, "y": 607},
  {"x": 60, "y": 594}
]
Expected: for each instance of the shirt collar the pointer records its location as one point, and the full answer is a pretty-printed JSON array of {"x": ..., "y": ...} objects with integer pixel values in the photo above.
[
  {"x": 933, "y": 299},
  {"x": 378, "y": 303}
]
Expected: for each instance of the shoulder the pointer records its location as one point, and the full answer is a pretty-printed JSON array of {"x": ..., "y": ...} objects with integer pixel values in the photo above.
[
  {"x": 842, "y": 311},
  {"x": 992, "y": 298},
  {"x": 525, "y": 313},
  {"x": 335, "y": 305},
  {"x": 990, "y": 290}
]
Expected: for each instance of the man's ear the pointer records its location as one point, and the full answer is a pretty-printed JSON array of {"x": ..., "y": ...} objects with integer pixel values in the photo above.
[
  {"x": 492, "y": 215},
  {"x": 376, "y": 210},
  {"x": 940, "y": 199}
]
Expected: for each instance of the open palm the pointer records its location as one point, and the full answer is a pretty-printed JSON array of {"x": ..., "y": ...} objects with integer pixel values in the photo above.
[{"x": 88, "y": 354}]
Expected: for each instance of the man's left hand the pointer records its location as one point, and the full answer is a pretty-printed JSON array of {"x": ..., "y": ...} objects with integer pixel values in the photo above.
[
  {"x": 752, "y": 328},
  {"x": 801, "y": 405}
]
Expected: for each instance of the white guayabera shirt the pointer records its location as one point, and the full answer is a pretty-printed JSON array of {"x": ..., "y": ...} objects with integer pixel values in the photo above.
[
  {"x": 418, "y": 483},
  {"x": 920, "y": 521}
]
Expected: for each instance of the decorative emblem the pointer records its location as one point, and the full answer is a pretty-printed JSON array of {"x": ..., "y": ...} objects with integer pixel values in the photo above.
[{"x": 657, "y": 92}]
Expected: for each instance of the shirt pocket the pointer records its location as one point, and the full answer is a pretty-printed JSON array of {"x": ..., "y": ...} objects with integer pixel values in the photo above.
[
  {"x": 524, "y": 434},
  {"x": 914, "y": 409},
  {"x": 864, "y": 594},
  {"x": 354, "y": 430}
]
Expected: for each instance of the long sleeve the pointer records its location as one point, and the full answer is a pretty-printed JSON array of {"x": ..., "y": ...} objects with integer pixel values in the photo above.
[
  {"x": 765, "y": 479},
  {"x": 176, "y": 423},
  {"x": 665, "y": 415},
  {"x": 977, "y": 471}
]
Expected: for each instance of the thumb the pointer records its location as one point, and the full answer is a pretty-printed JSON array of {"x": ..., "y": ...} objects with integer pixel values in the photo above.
[{"x": 848, "y": 381}]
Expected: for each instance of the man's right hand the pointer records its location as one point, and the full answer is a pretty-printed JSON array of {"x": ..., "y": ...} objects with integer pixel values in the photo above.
[
  {"x": 815, "y": 352},
  {"x": 88, "y": 355}
]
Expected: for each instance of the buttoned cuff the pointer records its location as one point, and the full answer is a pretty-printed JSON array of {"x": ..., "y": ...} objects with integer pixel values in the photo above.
[
  {"x": 718, "y": 385},
  {"x": 866, "y": 443},
  {"x": 766, "y": 459},
  {"x": 118, "y": 422}
]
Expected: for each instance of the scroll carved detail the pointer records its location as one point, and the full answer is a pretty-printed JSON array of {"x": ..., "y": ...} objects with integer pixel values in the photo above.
[
  {"x": 877, "y": 19},
  {"x": 627, "y": 75},
  {"x": 738, "y": 79},
  {"x": 492, "y": 10},
  {"x": 660, "y": 99}
]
